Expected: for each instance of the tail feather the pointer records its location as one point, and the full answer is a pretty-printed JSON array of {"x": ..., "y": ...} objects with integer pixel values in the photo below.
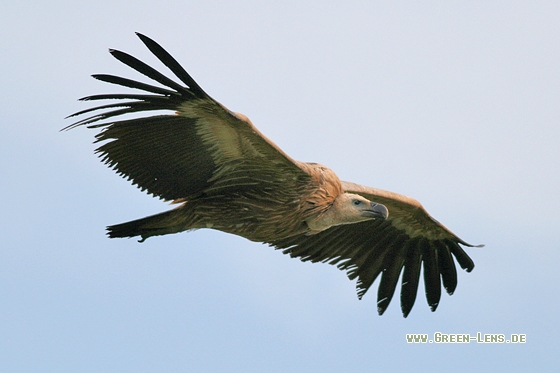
[{"x": 168, "y": 222}]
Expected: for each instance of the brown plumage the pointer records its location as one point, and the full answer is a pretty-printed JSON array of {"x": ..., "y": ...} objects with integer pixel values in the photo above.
[{"x": 224, "y": 174}]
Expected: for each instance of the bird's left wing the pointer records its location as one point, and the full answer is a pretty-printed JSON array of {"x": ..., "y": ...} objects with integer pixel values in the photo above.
[{"x": 408, "y": 240}]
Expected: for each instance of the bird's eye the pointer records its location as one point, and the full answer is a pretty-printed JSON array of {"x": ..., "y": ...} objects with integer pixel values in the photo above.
[{"x": 357, "y": 202}]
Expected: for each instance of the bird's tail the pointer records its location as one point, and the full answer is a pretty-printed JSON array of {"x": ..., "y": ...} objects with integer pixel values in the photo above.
[{"x": 168, "y": 222}]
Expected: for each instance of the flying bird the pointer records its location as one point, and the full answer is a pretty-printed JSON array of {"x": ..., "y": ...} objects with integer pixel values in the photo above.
[{"x": 224, "y": 174}]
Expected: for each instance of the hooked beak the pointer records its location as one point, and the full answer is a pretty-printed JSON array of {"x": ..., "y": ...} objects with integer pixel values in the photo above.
[{"x": 376, "y": 211}]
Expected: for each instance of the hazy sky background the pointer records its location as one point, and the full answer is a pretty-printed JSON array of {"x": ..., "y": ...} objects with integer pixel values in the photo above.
[{"x": 453, "y": 103}]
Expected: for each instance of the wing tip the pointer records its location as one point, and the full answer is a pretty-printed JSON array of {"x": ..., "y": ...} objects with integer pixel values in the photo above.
[
  {"x": 382, "y": 305},
  {"x": 143, "y": 37},
  {"x": 468, "y": 244}
]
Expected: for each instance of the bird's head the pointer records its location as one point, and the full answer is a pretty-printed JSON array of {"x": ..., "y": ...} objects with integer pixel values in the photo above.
[
  {"x": 348, "y": 208},
  {"x": 354, "y": 208}
]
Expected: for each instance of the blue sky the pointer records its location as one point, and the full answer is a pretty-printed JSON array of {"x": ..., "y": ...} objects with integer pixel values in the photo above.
[{"x": 452, "y": 103}]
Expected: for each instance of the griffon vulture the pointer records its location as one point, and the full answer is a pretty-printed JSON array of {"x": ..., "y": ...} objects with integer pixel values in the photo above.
[{"x": 224, "y": 174}]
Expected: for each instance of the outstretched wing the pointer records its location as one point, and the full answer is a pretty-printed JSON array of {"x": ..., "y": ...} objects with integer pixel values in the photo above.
[
  {"x": 200, "y": 148},
  {"x": 408, "y": 240}
]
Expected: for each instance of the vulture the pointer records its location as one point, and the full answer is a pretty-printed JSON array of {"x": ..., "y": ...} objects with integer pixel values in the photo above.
[{"x": 224, "y": 174}]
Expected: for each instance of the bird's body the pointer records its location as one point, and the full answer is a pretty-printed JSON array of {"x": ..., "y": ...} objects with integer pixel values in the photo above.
[
  {"x": 225, "y": 175},
  {"x": 257, "y": 212}
]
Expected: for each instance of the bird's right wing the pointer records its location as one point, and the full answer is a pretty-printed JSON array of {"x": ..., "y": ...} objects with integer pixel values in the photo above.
[{"x": 201, "y": 147}]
